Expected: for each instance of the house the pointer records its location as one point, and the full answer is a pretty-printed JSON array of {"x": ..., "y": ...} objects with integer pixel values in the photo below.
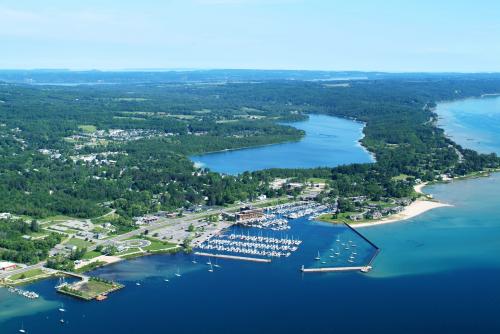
[
  {"x": 70, "y": 247},
  {"x": 356, "y": 217},
  {"x": 4, "y": 266},
  {"x": 374, "y": 215}
]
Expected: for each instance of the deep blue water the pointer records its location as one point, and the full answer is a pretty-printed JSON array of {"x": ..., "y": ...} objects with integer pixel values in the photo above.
[
  {"x": 329, "y": 141},
  {"x": 436, "y": 273},
  {"x": 472, "y": 123}
]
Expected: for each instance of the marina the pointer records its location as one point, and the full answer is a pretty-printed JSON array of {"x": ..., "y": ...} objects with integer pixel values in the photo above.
[
  {"x": 251, "y": 245},
  {"x": 280, "y": 277}
]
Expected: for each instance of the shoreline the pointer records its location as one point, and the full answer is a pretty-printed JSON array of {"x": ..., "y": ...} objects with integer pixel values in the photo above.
[
  {"x": 358, "y": 142},
  {"x": 415, "y": 209}
]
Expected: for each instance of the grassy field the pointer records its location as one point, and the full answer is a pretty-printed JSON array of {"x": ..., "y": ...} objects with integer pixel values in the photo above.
[
  {"x": 56, "y": 219},
  {"x": 156, "y": 245},
  {"x": 341, "y": 218},
  {"x": 87, "y": 128},
  {"x": 27, "y": 274},
  {"x": 90, "y": 289},
  {"x": 128, "y": 251},
  {"x": 400, "y": 177},
  {"x": 79, "y": 243},
  {"x": 91, "y": 255},
  {"x": 316, "y": 180}
]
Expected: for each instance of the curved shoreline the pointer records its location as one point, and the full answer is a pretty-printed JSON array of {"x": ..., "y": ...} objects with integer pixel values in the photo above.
[
  {"x": 357, "y": 142},
  {"x": 416, "y": 208}
]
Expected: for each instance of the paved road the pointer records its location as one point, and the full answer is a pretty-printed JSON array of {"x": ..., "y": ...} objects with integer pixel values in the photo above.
[
  {"x": 163, "y": 222},
  {"x": 22, "y": 270}
]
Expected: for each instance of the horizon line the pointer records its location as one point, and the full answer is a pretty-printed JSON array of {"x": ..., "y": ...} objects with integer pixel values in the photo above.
[{"x": 194, "y": 69}]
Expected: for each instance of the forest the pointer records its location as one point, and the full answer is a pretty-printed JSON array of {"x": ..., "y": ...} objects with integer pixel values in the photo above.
[{"x": 84, "y": 150}]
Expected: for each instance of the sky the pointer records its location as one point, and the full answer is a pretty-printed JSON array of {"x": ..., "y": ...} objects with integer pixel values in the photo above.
[{"x": 367, "y": 35}]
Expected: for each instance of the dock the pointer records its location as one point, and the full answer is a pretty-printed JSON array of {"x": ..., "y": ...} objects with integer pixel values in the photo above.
[
  {"x": 363, "y": 269},
  {"x": 234, "y": 257}
]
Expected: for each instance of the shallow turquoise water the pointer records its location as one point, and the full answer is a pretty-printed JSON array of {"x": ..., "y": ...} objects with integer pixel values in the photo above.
[
  {"x": 472, "y": 123},
  {"x": 329, "y": 141}
]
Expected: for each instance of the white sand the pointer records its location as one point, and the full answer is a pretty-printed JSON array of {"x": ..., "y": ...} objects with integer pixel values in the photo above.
[
  {"x": 414, "y": 209},
  {"x": 102, "y": 258}
]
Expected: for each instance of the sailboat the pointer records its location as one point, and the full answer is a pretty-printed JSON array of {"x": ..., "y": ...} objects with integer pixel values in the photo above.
[
  {"x": 216, "y": 265},
  {"x": 62, "y": 309},
  {"x": 317, "y": 258},
  {"x": 178, "y": 274},
  {"x": 22, "y": 330},
  {"x": 61, "y": 283},
  {"x": 194, "y": 260},
  {"x": 209, "y": 263},
  {"x": 211, "y": 270}
]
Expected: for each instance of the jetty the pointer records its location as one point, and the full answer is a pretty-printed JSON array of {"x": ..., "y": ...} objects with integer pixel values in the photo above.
[
  {"x": 363, "y": 269},
  {"x": 234, "y": 257}
]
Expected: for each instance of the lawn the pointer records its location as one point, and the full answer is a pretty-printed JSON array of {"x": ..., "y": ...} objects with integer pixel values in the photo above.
[
  {"x": 342, "y": 217},
  {"x": 91, "y": 255},
  {"x": 56, "y": 219},
  {"x": 88, "y": 128},
  {"x": 156, "y": 245},
  {"x": 27, "y": 274},
  {"x": 80, "y": 243},
  {"x": 316, "y": 180},
  {"x": 90, "y": 289}
]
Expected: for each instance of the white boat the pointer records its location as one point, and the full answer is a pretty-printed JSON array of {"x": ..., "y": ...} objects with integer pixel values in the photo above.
[
  {"x": 62, "y": 309},
  {"x": 178, "y": 274},
  {"x": 216, "y": 265},
  {"x": 22, "y": 330},
  {"x": 166, "y": 280},
  {"x": 211, "y": 270},
  {"x": 317, "y": 258},
  {"x": 138, "y": 284}
]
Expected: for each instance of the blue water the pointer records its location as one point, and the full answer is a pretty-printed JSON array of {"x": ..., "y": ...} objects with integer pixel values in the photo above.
[
  {"x": 329, "y": 141},
  {"x": 436, "y": 273},
  {"x": 472, "y": 123}
]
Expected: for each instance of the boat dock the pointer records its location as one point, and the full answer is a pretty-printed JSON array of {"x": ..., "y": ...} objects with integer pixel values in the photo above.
[
  {"x": 234, "y": 257},
  {"x": 363, "y": 269}
]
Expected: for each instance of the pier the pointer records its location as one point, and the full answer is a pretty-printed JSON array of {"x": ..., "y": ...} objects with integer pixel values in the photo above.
[
  {"x": 234, "y": 257},
  {"x": 363, "y": 269}
]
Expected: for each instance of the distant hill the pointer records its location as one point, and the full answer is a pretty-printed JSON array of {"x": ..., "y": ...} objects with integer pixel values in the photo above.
[{"x": 69, "y": 77}]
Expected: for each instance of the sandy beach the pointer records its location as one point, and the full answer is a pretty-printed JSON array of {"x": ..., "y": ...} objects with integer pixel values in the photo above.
[
  {"x": 102, "y": 258},
  {"x": 414, "y": 209}
]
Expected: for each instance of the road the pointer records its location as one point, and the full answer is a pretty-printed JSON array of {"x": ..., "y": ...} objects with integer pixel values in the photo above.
[{"x": 161, "y": 223}]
